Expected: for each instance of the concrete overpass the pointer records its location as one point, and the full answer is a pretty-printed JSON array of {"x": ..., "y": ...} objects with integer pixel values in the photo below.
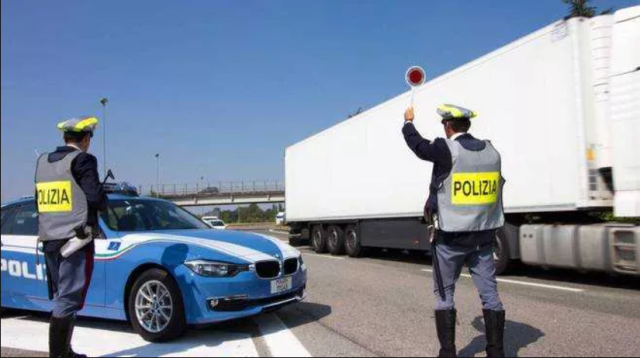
[{"x": 217, "y": 194}]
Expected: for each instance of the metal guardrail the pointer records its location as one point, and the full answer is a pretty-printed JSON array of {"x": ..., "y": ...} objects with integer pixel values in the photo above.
[{"x": 212, "y": 189}]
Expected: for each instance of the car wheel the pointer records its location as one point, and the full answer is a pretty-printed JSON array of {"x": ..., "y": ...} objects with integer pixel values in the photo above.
[
  {"x": 156, "y": 309},
  {"x": 352, "y": 242},
  {"x": 501, "y": 253},
  {"x": 336, "y": 241},
  {"x": 319, "y": 240}
]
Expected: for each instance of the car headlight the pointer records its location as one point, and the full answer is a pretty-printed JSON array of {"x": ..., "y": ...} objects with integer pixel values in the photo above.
[{"x": 215, "y": 269}]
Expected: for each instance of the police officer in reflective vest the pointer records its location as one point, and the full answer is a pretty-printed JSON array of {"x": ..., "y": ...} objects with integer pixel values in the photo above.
[
  {"x": 465, "y": 208},
  {"x": 69, "y": 195}
]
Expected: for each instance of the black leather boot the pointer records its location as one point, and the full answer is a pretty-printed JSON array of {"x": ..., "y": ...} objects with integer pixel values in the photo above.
[
  {"x": 73, "y": 354},
  {"x": 494, "y": 322},
  {"x": 60, "y": 331},
  {"x": 446, "y": 326}
]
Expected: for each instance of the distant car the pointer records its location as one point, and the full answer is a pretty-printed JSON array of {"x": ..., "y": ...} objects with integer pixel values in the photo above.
[
  {"x": 209, "y": 191},
  {"x": 158, "y": 267},
  {"x": 281, "y": 219},
  {"x": 216, "y": 224},
  {"x": 209, "y": 218}
]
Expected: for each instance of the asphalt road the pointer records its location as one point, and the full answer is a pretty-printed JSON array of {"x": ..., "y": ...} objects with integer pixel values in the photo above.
[{"x": 383, "y": 306}]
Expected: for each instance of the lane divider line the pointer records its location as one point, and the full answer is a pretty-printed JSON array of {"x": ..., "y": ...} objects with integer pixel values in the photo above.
[
  {"x": 278, "y": 232},
  {"x": 280, "y": 341},
  {"x": 530, "y": 284}
]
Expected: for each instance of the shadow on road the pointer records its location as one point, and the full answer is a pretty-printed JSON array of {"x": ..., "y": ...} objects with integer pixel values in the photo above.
[
  {"x": 304, "y": 313},
  {"x": 517, "y": 337}
]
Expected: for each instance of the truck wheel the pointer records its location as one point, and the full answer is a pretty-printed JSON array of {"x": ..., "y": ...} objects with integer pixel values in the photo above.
[
  {"x": 352, "y": 242},
  {"x": 319, "y": 240},
  {"x": 295, "y": 241},
  {"x": 501, "y": 253},
  {"x": 336, "y": 241},
  {"x": 156, "y": 309}
]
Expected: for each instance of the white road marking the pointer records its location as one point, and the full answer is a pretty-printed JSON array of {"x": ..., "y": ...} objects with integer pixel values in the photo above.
[
  {"x": 109, "y": 341},
  {"x": 324, "y": 256},
  {"x": 278, "y": 232},
  {"x": 279, "y": 339},
  {"x": 531, "y": 284}
]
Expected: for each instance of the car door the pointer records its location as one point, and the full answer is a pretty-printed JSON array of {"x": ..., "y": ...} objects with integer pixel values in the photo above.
[
  {"x": 6, "y": 299},
  {"x": 96, "y": 293},
  {"x": 22, "y": 276}
]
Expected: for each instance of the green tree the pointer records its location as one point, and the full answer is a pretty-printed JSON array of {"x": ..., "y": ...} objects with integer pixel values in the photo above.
[
  {"x": 251, "y": 214},
  {"x": 583, "y": 8},
  {"x": 229, "y": 216}
]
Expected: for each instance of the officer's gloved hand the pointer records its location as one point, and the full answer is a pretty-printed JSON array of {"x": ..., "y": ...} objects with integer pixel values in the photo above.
[{"x": 84, "y": 232}]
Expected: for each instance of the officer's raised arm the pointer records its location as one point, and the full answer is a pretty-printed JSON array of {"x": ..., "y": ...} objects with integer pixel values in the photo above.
[{"x": 423, "y": 148}]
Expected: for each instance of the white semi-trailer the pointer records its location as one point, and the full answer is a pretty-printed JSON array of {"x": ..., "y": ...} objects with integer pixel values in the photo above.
[{"x": 562, "y": 105}]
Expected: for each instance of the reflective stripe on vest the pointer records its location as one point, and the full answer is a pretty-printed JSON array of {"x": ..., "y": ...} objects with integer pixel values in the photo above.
[
  {"x": 62, "y": 205},
  {"x": 470, "y": 199}
]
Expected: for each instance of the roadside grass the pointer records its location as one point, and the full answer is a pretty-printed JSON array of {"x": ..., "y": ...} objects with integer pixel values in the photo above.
[{"x": 263, "y": 224}]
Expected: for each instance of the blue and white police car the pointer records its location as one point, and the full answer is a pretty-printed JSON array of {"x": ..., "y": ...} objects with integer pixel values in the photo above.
[{"x": 158, "y": 267}]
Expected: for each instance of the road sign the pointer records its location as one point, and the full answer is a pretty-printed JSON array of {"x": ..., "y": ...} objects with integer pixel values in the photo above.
[{"x": 415, "y": 76}]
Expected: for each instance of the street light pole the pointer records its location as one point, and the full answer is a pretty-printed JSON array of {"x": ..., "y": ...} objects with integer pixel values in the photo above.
[
  {"x": 104, "y": 101},
  {"x": 158, "y": 174}
]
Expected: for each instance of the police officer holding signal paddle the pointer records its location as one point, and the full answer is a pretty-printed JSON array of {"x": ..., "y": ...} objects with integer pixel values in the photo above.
[
  {"x": 465, "y": 210},
  {"x": 69, "y": 195}
]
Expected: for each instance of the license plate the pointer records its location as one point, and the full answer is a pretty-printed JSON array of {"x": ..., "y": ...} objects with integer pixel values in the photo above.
[{"x": 282, "y": 285}]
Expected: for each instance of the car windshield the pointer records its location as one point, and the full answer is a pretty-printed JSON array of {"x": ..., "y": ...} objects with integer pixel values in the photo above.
[{"x": 136, "y": 215}]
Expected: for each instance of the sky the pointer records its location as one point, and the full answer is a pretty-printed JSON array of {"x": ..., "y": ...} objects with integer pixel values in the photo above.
[{"x": 220, "y": 88}]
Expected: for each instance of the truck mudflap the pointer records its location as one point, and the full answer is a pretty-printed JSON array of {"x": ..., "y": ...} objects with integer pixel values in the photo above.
[{"x": 607, "y": 247}]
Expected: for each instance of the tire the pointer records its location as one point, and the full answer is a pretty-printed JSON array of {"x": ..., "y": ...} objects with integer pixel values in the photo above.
[
  {"x": 336, "y": 241},
  {"x": 161, "y": 282},
  {"x": 352, "y": 242},
  {"x": 501, "y": 255},
  {"x": 295, "y": 241},
  {"x": 319, "y": 240}
]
